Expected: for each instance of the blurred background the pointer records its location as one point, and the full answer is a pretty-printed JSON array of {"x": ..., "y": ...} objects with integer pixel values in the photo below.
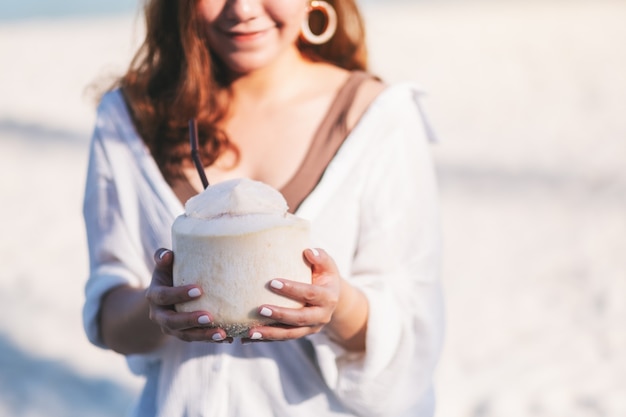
[{"x": 529, "y": 101}]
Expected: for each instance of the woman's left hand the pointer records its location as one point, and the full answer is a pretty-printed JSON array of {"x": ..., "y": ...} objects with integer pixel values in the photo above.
[
  {"x": 330, "y": 303},
  {"x": 320, "y": 300}
]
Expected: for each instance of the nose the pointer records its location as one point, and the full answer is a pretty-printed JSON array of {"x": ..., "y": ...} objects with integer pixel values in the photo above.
[{"x": 242, "y": 10}]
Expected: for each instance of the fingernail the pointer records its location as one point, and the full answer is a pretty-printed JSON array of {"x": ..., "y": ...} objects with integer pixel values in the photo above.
[
  {"x": 204, "y": 319},
  {"x": 265, "y": 312},
  {"x": 217, "y": 337},
  {"x": 256, "y": 336},
  {"x": 315, "y": 252},
  {"x": 276, "y": 284},
  {"x": 162, "y": 254},
  {"x": 194, "y": 292}
]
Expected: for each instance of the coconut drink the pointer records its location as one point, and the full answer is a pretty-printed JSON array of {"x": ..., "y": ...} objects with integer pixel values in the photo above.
[{"x": 233, "y": 239}]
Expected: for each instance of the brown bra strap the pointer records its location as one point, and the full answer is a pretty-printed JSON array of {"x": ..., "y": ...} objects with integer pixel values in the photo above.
[{"x": 328, "y": 138}]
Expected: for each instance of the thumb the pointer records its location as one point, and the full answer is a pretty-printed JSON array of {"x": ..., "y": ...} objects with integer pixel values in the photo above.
[
  {"x": 321, "y": 262},
  {"x": 163, "y": 270}
]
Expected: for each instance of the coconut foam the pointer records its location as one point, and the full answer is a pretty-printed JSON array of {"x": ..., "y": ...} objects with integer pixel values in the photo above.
[
  {"x": 237, "y": 197},
  {"x": 234, "y": 207}
]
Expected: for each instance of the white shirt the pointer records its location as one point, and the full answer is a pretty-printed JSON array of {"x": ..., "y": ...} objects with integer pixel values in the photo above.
[{"x": 375, "y": 211}]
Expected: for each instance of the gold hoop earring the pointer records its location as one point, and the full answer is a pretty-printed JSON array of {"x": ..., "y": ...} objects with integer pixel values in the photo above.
[{"x": 331, "y": 23}]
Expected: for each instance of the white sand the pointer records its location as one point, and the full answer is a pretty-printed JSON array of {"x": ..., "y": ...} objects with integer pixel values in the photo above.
[{"x": 529, "y": 101}]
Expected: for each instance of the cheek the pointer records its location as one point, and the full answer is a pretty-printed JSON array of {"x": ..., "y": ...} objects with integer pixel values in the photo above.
[
  {"x": 289, "y": 12},
  {"x": 209, "y": 10}
]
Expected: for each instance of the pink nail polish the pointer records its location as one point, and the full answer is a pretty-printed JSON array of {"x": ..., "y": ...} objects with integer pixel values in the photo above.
[{"x": 276, "y": 284}]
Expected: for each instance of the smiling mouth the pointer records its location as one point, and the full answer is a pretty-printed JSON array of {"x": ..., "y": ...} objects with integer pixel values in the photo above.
[{"x": 246, "y": 36}]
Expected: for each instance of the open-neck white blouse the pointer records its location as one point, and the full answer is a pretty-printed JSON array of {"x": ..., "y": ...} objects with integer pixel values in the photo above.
[{"x": 375, "y": 211}]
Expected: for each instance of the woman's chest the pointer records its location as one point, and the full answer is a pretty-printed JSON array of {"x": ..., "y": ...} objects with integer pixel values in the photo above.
[{"x": 271, "y": 143}]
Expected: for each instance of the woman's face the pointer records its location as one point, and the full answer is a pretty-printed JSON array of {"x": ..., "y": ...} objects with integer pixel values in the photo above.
[{"x": 251, "y": 34}]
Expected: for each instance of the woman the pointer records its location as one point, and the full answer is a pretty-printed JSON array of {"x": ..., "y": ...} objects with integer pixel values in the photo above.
[{"x": 278, "y": 102}]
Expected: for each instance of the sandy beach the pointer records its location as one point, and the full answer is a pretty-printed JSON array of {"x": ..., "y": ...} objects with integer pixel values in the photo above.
[{"x": 528, "y": 100}]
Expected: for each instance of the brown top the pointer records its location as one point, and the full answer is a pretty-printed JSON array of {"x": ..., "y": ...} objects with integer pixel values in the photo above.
[{"x": 327, "y": 140}]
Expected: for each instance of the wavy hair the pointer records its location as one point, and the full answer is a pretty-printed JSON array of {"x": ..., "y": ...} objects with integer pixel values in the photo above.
[{"x": 174, "y": 77}]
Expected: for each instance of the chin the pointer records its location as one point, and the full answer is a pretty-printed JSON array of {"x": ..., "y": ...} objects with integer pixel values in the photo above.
[
  {"x": 243, "y": 68},
  {"x": 247, "y": 62}
]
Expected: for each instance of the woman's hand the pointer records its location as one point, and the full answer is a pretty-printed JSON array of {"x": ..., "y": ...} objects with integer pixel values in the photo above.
[
  {"x": 330, "y": 303},
  {"x": 162, "y": 296}
]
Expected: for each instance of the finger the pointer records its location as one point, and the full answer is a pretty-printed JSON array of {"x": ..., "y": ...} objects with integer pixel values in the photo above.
[
  {"x": 163, "y": 256},
  {"x": 199, "y": 334},
  {"x": 163, "y": 270},
  {"x": 173, "y": 321},
  {"x": 321, "y": 262},
  {"x": 161, "y": 290},
  {"x": 275, "y": 333},
  {"x": 302, "y": 317},
  {"x": 320, "y": 294},
  {"x": 195, "y": 326},
  {"x": 164, "y": 295}
]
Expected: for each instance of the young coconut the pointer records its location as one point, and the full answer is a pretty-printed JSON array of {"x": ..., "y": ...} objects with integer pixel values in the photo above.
[{"x": 233, "y": 239}]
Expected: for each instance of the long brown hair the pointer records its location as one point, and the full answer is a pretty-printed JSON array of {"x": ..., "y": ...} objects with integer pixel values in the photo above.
[{"x": 174, "y": 77}]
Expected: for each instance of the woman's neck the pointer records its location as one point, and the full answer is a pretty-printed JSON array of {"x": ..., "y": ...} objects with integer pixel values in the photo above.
[{"x": 278, "y": 81}]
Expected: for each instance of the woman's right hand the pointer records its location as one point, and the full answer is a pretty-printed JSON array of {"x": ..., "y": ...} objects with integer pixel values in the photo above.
[{"x": 162, "y": 296}]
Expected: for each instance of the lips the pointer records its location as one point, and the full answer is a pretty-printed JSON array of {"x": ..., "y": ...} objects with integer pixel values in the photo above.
[{"x": 245, "y": 36}]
